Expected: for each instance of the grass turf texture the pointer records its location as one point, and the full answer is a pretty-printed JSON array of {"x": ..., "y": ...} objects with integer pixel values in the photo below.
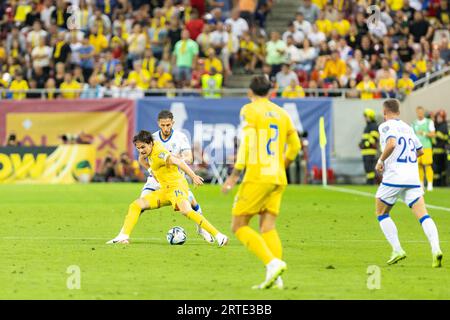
[{"x": 329, "y": 238}]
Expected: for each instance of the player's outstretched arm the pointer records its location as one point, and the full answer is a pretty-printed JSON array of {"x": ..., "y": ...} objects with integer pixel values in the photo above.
[{"x": 197, "y": 180}]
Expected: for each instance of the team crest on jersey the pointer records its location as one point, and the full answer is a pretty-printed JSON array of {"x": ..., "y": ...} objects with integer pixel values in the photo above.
[
  {"x": 385, "y": 129},
  {"x": 162, "y": 155}
]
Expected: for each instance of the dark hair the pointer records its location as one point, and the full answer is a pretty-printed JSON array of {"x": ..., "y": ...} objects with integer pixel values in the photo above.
[
  {"x": 260, "y": 85},
  {"x": 165, "y": 114},
  {"x": 143, "y": 136},
  {"x": 392, "y": 105}
]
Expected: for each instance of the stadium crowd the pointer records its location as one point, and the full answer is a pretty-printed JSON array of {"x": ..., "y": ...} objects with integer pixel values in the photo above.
[{"x": 96, "y": 48}]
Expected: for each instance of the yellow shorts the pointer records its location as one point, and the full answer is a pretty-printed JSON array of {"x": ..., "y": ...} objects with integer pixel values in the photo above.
[
  {"x": 427, "y": 158},
  {"x": 164, "y": 197},
  {"x": 254, "y": 198}
]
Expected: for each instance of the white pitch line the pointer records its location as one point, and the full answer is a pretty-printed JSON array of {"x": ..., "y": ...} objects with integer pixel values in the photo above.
[
  {"x": 371, "y": 195},
  {"x": 193, "y": 240}
]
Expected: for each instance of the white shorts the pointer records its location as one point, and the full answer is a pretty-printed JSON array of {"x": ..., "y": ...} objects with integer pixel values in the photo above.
[
  {"x": 150, "y": 186},
  {"x": 389, "y": 195}
]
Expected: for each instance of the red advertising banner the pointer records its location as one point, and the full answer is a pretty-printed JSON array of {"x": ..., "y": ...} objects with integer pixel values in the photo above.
[{"x": 108, "y": 123}]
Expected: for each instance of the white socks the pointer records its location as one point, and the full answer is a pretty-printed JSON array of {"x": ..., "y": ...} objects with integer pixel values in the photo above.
[
  {"x": 429, "y": 227},
  {"x": 390, "y": 231}
]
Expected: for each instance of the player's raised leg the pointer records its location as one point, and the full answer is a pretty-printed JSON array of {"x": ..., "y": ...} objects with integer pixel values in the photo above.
[
  {"x": 389, "y": 228},
  {"x": 196, "y": 207},
  {"x": 152, "y": 200},
  {"x": 429, "y": 228},
  {"x": 185, "y": 208}
]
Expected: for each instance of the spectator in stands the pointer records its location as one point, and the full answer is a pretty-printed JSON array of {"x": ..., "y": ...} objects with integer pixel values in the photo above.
[
  {"x": 61, "y": 50},
  {"x": 92, "y": 90},
  {"x": 204, "y": 39},
  {"x": 419, "y": 27},
  {"x": 307, "y": 56},
  {"x": 292, "y": 52},
  {"x": 263, "y": 8},
  {"x": 247, "y": 9},
  {"x": 136, "y": 44},
  {"x": 296, "y": 34},
  {"x": 218, "y": 38},
  {"x": 86, "y": 53},
  {"x": 19, "y": 85},
  {"x": 139, "y": 76},
  {"x": 212, "y": 62},
  {"x": 247, "y": 53},
  {"x": 70, "y": 88},
  {"x": 195, "y": 25},
  {"x": 276, "y": 52},
  {"x": 51, "y": 88},
  {"x": 335, "y": 67},
  {"x": 285, "y": 77},
  {"x": 36, "y": 34},
  {"x": 128, "y": 169},
  {"x": 293, "y": 91},
  {"x": 309, "y": 10},
  {"x": 238, "y": 24},
  {"x": 366, "y": 88},
  {"x": 185, "y": 56},
  {"x": 405, "y": 85},
  {"x": 41, "y": 55},
  {"x": 212, "y": 84},
  {"x": 302, "y": 25},
  {"x": 230, "y": 50},
  {"x": 12, "y": 140}
]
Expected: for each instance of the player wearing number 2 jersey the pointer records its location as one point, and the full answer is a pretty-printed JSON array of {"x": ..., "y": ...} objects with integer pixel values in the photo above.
[
  {"x": 398, "y": 164},
  {"x": 266, "y": 132}
]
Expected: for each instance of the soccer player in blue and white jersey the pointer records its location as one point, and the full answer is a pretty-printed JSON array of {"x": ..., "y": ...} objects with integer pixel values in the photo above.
[
  {"x": 398, "y": 164},
  {"x": 177, "y": 144}
]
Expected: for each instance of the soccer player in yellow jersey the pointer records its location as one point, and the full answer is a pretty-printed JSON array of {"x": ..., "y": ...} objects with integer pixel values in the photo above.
[
  {"x": 269, "y": 143},
  {"x": 174, "y": 189}
]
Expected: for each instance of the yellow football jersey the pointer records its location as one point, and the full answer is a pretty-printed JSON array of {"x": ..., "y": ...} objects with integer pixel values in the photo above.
[
  {"x": 267, "y": 129},
  {"x": 169, "y": 176}
]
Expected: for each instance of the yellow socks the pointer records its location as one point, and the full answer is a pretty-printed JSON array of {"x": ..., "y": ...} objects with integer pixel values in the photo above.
[
  {"x": 131, "y": 219},
  {"x": 273, "y": 242},
  {"x": 421, "y": 174},
  {"x": 429, "y": 174},
  {"x": 202, "y": 222},
  {"x": 255, "y": 243}
]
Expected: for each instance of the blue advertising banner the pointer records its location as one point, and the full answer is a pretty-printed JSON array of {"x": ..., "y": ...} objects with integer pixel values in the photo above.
[{"x": 213, "y": 124}]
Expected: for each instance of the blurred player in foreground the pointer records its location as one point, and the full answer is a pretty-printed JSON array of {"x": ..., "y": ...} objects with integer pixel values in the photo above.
[
  {"x": 177, "y": 144},
  {"x": 267, "y": 129},
  {"x": 174, "y": 188},
  {"x": 398, "y": 163}
]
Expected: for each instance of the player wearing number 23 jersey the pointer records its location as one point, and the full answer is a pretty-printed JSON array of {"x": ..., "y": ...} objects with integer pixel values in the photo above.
[{"x": 398, "y": 163}]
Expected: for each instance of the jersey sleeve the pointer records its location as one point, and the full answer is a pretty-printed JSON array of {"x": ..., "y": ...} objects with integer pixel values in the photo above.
[
  {"x": 387, "y": 131},
  {"x": 184, "y": 143},
  {"x": 248, "y": 118}
]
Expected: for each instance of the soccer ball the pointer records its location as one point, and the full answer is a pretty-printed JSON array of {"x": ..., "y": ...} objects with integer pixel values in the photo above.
[{"x": 176, "y": 235}]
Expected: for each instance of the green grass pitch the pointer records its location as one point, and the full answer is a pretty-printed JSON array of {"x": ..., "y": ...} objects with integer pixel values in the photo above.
[{"x": 330, "y": 238}]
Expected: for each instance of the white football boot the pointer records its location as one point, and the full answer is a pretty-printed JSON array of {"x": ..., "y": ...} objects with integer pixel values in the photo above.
[
  {"x": 274, "y": 270},
  {"x": 121, "y": 238},
  {"x": 205, "y": 234},
  {"x": 221, "y": 239}
]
